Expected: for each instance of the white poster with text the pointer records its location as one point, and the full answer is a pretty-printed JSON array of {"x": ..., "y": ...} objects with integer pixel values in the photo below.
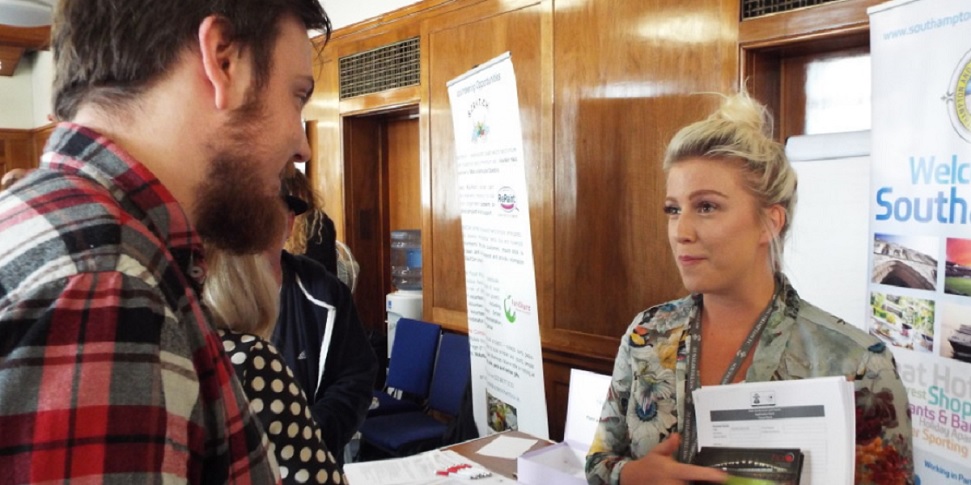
[
  {"x": 920, "y": 222},
  {"x": 500, "y": 279}
]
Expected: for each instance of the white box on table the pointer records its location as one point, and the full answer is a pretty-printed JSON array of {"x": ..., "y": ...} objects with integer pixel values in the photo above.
[{"x": 563, "y": 463}]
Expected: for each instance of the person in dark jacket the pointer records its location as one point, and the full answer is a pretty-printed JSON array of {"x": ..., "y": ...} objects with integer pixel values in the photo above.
[{"x": 321, "y": 338}]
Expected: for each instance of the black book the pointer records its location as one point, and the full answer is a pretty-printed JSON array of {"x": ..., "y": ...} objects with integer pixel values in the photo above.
[{"x": 754, "y": 466}]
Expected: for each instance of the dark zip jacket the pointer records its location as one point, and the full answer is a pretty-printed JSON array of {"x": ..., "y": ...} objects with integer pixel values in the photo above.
[{"x": 321, "y": 339}]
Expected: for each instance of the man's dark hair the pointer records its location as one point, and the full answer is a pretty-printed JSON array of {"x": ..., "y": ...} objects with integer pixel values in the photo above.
[{"x": 109, "y": 51}]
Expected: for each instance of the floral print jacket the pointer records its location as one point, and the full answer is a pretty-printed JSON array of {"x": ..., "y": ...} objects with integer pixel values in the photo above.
[{"x": 646, "y": 393}]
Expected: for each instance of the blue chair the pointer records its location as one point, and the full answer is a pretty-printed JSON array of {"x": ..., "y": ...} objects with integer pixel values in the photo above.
[
  {"x": 409, "y": 433},
  {"x": 410, "y": 368}
]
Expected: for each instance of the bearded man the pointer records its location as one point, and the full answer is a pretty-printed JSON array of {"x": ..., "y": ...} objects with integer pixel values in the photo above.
[{"x": 178, "y": 117}]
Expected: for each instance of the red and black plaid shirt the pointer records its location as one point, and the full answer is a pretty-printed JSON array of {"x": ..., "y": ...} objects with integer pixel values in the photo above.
[{"x": 109, "y": 368}]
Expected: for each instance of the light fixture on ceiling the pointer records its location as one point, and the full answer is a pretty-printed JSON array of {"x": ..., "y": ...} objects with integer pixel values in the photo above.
[{"x": 26, "y": 13}]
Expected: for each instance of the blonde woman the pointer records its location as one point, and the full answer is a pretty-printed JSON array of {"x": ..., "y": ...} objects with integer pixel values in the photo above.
[
  {"x": 731, "y": 196},
  {"x": 242, "y": 294}
]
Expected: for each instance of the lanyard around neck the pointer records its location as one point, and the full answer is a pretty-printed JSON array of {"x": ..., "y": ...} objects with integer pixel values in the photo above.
[{"x": 689, "y": 436}]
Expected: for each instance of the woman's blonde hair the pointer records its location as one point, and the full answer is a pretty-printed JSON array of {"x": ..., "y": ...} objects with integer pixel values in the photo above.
[
  {"x": 741, "y": 130},
  {"x": 241, "y": 292}
]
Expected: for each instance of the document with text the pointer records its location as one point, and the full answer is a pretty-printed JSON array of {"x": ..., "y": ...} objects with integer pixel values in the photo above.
[{"x": 816, "y": 416}]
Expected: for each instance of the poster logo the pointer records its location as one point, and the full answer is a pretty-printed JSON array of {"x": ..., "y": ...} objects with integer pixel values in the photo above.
[
  {"x": 762, "y": 399},
  {"x": 511, "y": 308},
  {"x": 958, "y": 97},
  {"x": 479, "y": 116},
  {"x": 508, "y": 310},
  {"x": 507, "y": 199}
]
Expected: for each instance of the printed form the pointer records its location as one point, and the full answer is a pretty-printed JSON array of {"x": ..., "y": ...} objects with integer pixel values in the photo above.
[{"x": 815, "y": 415}]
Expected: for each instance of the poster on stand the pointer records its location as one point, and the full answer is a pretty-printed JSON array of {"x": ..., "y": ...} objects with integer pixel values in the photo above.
[
  {"x": 500, "y": 279},
  {"x": 920, "y": 221}
]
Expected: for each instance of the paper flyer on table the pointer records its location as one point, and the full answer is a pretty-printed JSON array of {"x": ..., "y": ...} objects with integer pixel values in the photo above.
[
  {"x": 816, "y": 416},
  {"x": 420, "y": 469}
]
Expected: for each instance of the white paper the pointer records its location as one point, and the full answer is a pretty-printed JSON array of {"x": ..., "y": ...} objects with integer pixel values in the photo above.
[
  {"x": 588, "y": 391},
  {"x": 564, "y": 459},
  {"x": 508, "y": 447},
  {"x": 828, "y": 146},
  {"x": 416, "y": 469},
  {"x": 815, "y": 415},
  {"x": 827, "y": 246}
]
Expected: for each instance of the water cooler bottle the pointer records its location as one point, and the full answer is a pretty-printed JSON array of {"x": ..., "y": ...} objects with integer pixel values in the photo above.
[{"x": 406, "y": 276}]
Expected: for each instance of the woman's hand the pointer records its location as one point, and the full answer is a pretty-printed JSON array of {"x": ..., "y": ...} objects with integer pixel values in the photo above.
[{"x": 660, "y": 468}]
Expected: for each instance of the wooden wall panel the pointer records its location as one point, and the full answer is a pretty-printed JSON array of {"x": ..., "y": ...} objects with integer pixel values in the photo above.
[
  {"x": 458, "y": 42},
  {"x": 404, "y": 171},
  {"x": 40, "y": 136},
  {"x": 16, "y": 149},
  {"x": 620, "y": 95},
  {"x": 326, "y": 168}
]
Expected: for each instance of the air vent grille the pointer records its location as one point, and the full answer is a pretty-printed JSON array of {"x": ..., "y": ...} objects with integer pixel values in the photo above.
[
  {"x": 758, "y": 8},
  {"x": 387, "y": 67}
]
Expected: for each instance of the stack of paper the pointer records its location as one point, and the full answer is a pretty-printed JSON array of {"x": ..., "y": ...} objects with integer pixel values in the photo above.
[
  {"x": 817, "y": 416},
  {"x": 420, "y": 469}
]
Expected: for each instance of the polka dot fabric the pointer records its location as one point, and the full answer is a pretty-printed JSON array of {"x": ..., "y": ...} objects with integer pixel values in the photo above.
[{"x": 282, "y": 407}]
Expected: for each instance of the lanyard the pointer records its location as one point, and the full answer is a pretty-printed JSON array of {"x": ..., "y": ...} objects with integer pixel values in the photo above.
[{"x": 689, "y": 438}]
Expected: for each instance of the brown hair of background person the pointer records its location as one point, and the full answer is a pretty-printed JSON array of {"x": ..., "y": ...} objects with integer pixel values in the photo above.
[
  {"x": 313, "y": 234},
  {"x": 142, "y": 48},
  {"x": 298, "y": 185}
]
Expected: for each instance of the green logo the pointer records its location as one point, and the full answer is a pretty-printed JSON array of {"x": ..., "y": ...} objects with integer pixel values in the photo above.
[{"x": 508, "y": 309}]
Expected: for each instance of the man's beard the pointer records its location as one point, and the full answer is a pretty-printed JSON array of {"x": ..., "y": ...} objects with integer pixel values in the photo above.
[{"x": 234, "y": 210}]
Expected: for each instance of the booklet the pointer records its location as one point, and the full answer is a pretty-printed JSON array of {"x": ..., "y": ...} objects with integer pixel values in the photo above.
[
  {"x": 754, "y": 466},
  {"x": 816, "y": 416}
]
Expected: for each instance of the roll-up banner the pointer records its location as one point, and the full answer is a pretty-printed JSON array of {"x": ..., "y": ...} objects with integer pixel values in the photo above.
[
  {"x": 500, "y": 277},
  {"x": 920, "y": 222}
]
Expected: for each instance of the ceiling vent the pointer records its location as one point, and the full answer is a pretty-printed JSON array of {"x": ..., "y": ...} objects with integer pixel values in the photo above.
[
  {"x": 392, "y": 66},
  {"x": 758, "y": 8}
]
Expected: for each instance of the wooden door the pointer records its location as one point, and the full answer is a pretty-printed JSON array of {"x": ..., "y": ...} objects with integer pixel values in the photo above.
[{"x": 382, "y": 188}]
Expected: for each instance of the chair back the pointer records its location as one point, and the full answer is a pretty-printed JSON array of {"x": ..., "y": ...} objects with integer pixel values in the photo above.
[
  {"x": 453, "y": 371},
  {"x": 413, "y": 356}
]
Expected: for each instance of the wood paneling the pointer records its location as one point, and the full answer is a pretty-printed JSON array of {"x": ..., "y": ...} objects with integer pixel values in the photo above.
[
  {"x": 32, "y": 38},
  {"x": 10, "y": 59},
  {"x": 17, "y": 149},
  {"x": 391, "y": 99},
  {"x": 326, "y": 169},
  {"x": 39, "y": 137},
  {"x": 493, "y": 28},
  {"x": 620, "y": 96},
  {"x": 410, "y": 14},
  {"x": 16, "y": 41},
  {"x": 821, "y": 23},
  {"x": 404, "y": 172}
]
